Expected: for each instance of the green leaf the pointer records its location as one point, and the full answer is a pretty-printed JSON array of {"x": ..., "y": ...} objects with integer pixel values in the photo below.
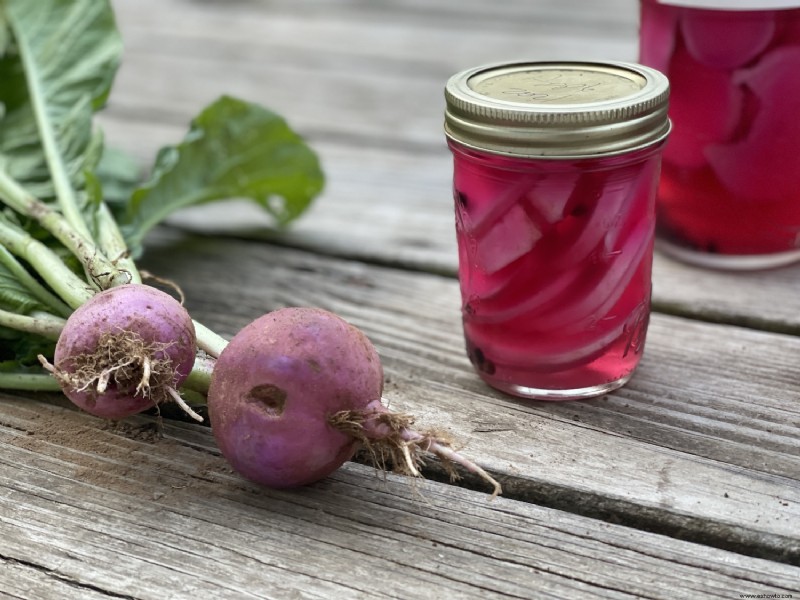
[
  {"x": 56, "y": 72},
  {"x": 19, "y": 350},
  {"x": 234, "y": 149},
  {"x": 119, "y": 175},
  {"x": 15, "y": 297}
]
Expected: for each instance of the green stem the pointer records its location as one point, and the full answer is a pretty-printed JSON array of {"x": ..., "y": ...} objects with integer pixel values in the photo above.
[
  {"x": 58, "y": 171},
  {"x": 95, "y": 262},
  {"x": 193, "y": 398},
  {"x": 113, "y": 245},
  {"x": 71, "y": 288},
  {"x": 43, "y": 324},
  {"x": 208, "y": 341},
  {"x": 200, "y": 377},
  {"x": 41, "y": 293},
  {"x": 31, "y": 382}
]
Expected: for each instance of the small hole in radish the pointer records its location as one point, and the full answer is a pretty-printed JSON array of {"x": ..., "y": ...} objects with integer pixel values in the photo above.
[{"x": 270, "y": 398}]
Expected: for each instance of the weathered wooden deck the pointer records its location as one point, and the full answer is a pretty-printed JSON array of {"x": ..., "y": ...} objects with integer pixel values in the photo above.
[{"x": 684, "y": 484}]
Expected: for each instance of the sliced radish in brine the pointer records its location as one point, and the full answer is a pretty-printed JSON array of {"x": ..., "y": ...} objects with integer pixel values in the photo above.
[
  {"x": 512, "y": 236},
  {"x": 766, "y": 164},
  {"x": 540, "y": 352},
  {"x": 727, "y": 39},
  {"x": 658, "y": 28},
  {"x": 543, "y": 204},
  {"x": 551, "y": 194},
  {"x": 592, "y": 298},
  {"x": 705, "y": 108},
  {"x": 486, "y": 197},
  {"x": 638, "y": 205},
  {"x": 604, "y": 197},
  {"x": 788, "y": 31},
  {"x": 531, "y": 291}
]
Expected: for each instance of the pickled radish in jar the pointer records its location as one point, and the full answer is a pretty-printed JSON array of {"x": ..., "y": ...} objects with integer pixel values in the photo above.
[
  {"x": 511, "y": 237},
  {"x": 729, "y": 192},
  {"x": 758, "y": 167},
  {"x": 595, "y": 296},
  {"x": 543, "y": 352},
  {"x": 727, "y": 39},
  {"x": 658, "y": 30},
  {"x": 488, "y": 196},
  {"x": 550, "y": 197},
  {"x": 525, "y": 295},
  {"x": 555, "y": 170},
  {"x": 594, "y": 212},
  {"x": 705, "y": 109}
]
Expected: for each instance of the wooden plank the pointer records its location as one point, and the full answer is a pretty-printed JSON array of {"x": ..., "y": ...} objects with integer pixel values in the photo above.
[
  {"x": 377, "y": 31},
  {"x": 760, "y": 299},
  {"x": 345, "y": 66},
  {"x": 704, "y": 442},
  {"x": 122, "y": 511},
  {"x": 21, "y": 581}
]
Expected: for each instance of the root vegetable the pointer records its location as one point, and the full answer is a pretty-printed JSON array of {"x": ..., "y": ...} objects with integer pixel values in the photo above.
[
  {"x": 296, "y": 392},
  {"x": 125, "y": 350}
]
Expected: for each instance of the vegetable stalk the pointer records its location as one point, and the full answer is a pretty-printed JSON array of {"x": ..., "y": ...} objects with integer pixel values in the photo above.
[
  {"x": 76, "y": 214},
  {"x": 98, "y": 267}
]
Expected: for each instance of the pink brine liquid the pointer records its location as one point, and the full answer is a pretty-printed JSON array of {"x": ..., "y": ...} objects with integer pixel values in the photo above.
[
  {"x": 554, "y": 267},
  {"x": 731, "y": 168}
]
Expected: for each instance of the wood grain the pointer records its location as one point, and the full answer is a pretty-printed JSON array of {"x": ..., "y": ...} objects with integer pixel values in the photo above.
[
  {"x": 122, "y": 512},
  {"x": 703, "y": 443}
]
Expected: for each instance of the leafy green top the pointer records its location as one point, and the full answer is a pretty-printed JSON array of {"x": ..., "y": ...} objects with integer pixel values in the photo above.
[{"x": 65, "y": 192}]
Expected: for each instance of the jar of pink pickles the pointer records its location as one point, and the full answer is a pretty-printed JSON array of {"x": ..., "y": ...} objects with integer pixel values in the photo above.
[
  {"x": 555, "y": 171},
  {"x": 730, "y": 189}
]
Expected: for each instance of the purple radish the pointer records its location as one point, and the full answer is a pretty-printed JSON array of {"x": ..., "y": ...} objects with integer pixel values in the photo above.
[
  {"x": 764, "y": 165},
  {"x": 125, "y": 350},
  {"x": 297, "y": 391},
  {"x": 727, "y": 40}
]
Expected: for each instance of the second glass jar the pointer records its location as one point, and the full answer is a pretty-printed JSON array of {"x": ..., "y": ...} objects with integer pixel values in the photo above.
[{"x": 730, "y": 188}]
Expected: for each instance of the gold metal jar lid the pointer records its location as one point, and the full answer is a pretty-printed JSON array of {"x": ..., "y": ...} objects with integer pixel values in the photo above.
[{"x": 557, "y": 109}]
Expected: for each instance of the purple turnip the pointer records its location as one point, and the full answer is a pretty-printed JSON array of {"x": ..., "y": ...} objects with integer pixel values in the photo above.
[
  {"x": 296, "y": 393},
  {"x": 125, "y": 350}
]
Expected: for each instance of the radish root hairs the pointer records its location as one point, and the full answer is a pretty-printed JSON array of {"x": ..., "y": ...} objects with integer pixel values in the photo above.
[
  {"x": 126, "y": 359},
  {"x": 123, "y": 356},
  {"x": 389, "y": 438}
]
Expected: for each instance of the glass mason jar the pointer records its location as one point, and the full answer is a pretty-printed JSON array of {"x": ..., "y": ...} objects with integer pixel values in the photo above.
[
  {"x": 730, "y": 188},
  {"x": 555, "y": 171}
]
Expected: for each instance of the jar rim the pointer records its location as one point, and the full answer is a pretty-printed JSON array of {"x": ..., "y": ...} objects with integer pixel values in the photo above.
[{"x": 557, "y": 108}]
